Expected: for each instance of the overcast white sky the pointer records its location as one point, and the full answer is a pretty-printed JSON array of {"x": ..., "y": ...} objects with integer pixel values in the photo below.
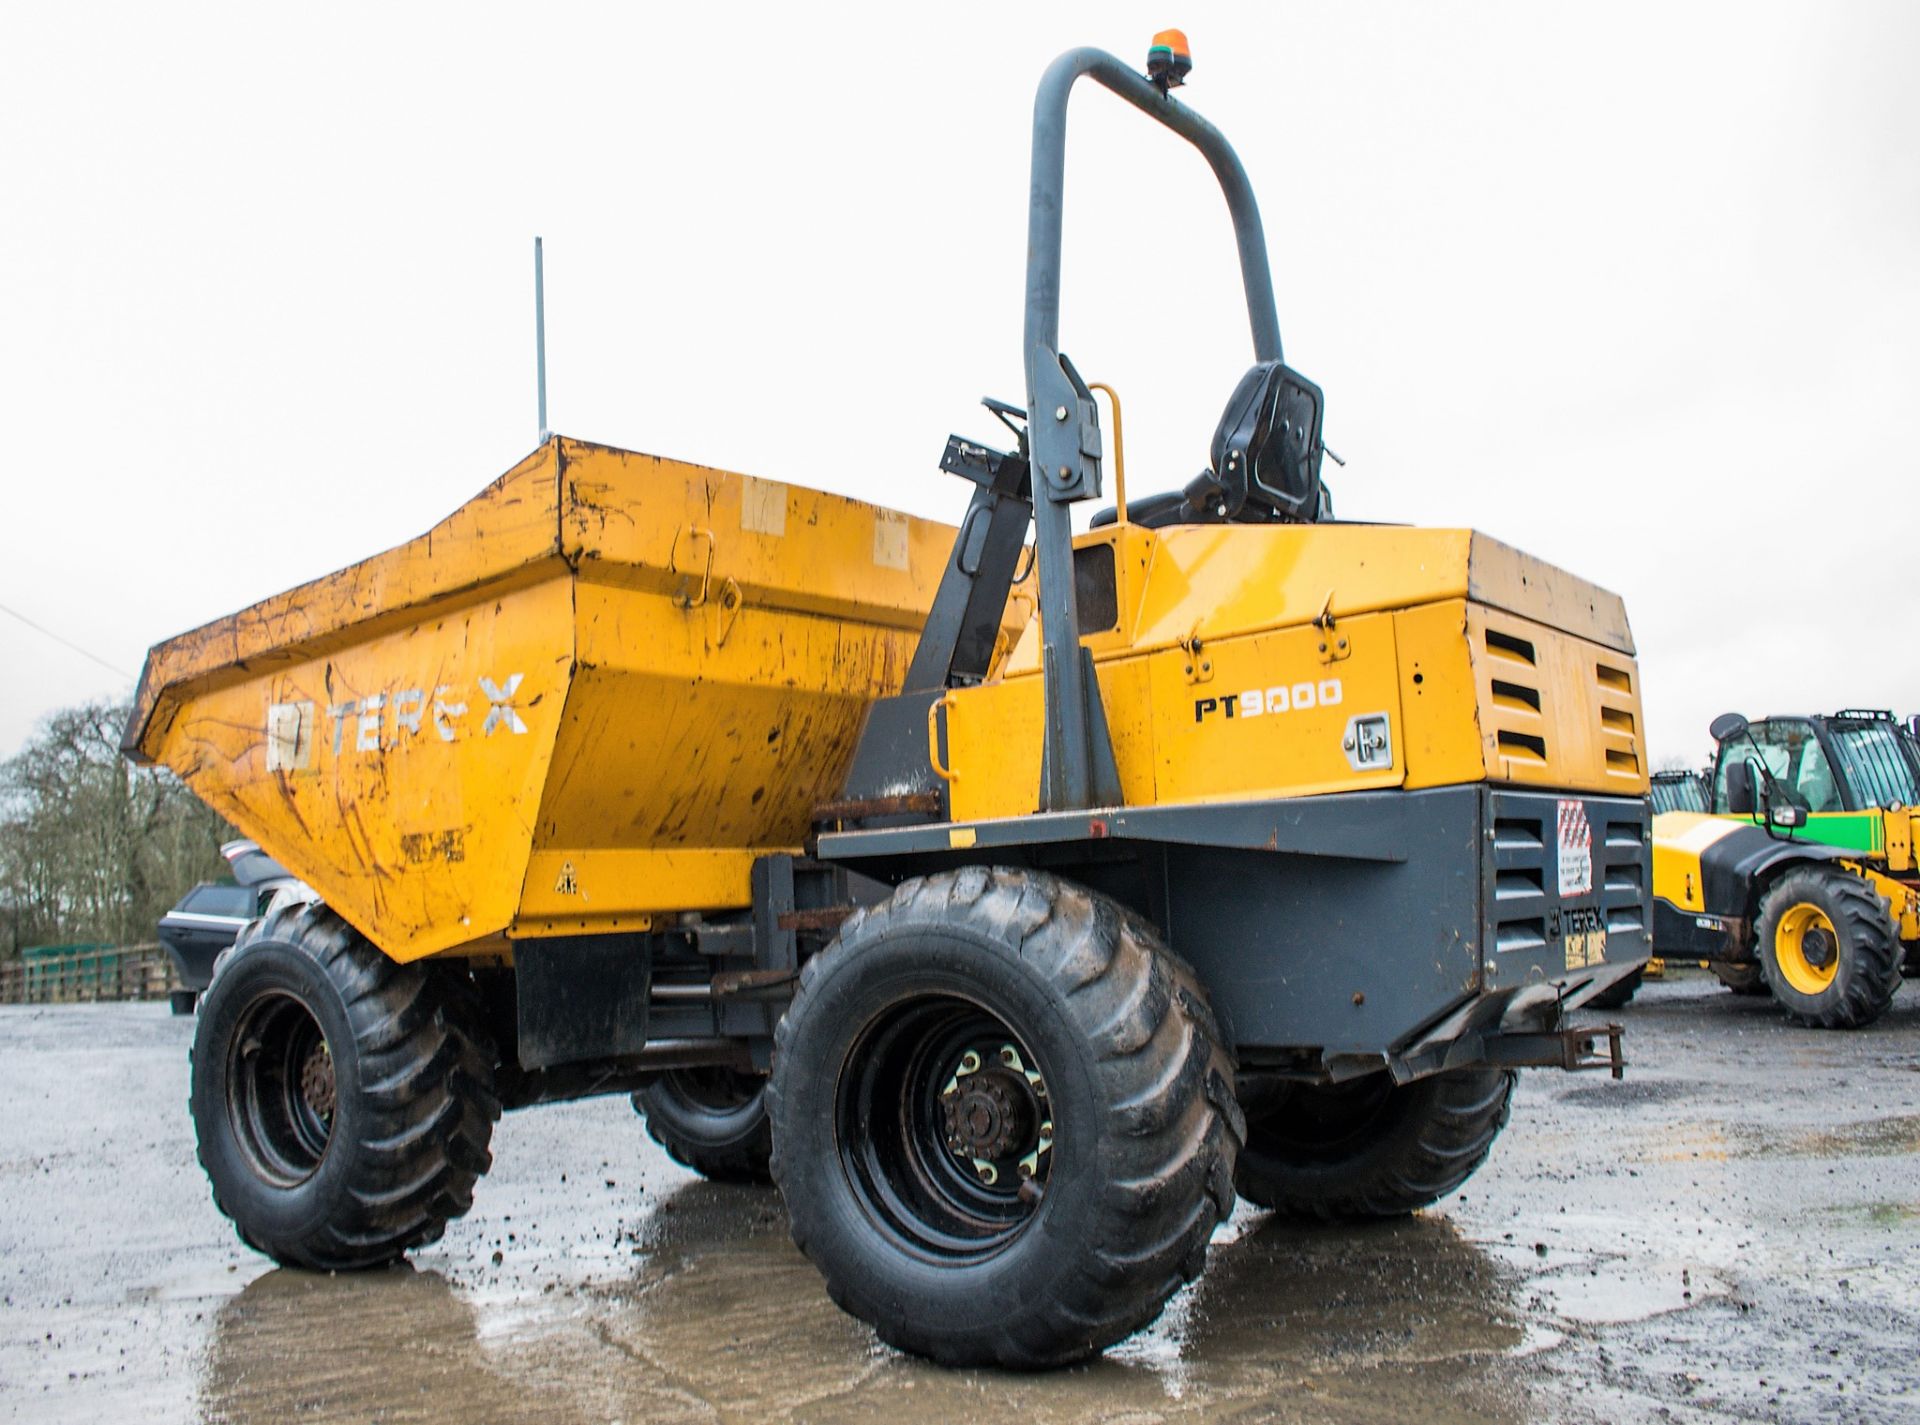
[{"x": 1634, "y": 287}]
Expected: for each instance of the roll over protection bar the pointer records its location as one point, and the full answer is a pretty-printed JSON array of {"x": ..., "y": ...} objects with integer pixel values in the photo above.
[
  {"x": 1049, "y": 181},
  {"x": 1063, "y": 422}
]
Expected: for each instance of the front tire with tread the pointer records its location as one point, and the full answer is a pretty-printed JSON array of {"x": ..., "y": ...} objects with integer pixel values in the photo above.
[
  {"x": 1866, "y": 965},
  {"x": 1130, "y": 1075},
  {"x": 343, "y": 1103}
]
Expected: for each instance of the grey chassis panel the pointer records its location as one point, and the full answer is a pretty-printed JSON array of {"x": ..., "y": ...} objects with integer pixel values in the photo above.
[
  {"x": 1344, "y": 924},
  {"x": 1528, "y": 919},
  {"x": 1367, "y": 826},
  {"x": 890, "y": 760}
]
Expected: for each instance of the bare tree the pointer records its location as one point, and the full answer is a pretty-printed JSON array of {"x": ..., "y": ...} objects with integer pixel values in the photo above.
[{"x": 91, "y": 847}]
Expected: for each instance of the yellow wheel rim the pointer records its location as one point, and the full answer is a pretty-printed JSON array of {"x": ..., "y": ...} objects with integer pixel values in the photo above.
[{"x": 1806, "y": 948}]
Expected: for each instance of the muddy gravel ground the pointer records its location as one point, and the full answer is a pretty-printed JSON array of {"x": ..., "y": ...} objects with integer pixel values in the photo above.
[{"x": 1728, "y": 1234}]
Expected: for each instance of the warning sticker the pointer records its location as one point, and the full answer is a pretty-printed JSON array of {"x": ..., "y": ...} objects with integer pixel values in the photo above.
[{"x": 1576, "y": 850}]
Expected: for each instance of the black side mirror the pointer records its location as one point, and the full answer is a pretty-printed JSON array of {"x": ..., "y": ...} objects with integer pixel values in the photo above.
[
  {"x": 1740, "y": 800},
  {"x": 1729, "y": 724}
]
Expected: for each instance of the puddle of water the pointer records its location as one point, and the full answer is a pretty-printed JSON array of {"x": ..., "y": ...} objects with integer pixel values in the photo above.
[
  {"x": 721, "y": 1318},
  {"x": 632, "y": 1292},
  {"x": 1608, "y": 1291}
]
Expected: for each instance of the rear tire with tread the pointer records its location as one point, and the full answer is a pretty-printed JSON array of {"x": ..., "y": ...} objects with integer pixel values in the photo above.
[
  {"x": 1369, "y": 1148},
  {"x": 713, "y": 1121},
  {"x": 344, "y": 1103},
  {"x": 1130, "y": 1079}
]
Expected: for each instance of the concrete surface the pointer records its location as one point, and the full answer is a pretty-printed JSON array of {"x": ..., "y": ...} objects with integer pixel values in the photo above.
[{"x": 1730, "y": 1233}]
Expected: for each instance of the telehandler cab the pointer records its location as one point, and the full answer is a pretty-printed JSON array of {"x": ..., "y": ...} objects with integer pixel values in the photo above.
[
  {"x": 1013, "y": 922},
  {"x": 1799, "y": 878}
]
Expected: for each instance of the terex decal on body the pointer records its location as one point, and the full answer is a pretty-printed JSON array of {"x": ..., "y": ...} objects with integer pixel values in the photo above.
[{"x": 381, "y": 720}]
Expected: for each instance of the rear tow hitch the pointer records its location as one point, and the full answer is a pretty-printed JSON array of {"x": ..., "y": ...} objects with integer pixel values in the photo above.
[{"x": 1576, "y": 1047}]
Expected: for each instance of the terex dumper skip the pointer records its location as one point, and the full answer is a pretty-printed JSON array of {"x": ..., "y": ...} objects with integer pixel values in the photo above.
[{"x": 1012, "y": 905}]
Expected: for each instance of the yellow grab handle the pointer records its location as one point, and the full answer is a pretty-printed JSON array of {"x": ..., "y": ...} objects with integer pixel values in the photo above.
[
  {"x": 1119, "y": 453},
  {"x": 693, "y": 532},
  {"x": 945, "y": 700}
]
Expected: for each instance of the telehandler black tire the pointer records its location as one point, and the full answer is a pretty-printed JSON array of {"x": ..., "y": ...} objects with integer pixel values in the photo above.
[
  {"x": 1003, "y": 1119},
  {"x": 343, "y": 1102},
  {"x": 713, "y": 1121},
  {"x": 1828, "y": 947},
  {"x": 1742, "y": 979},
  {"x": 1367, "y": 1147}
]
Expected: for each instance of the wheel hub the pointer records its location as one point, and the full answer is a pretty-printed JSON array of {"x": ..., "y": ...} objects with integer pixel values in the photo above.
[
  {"x": 1806, "y": 948},
  {"x": 944, "y": 1129},
  {"x": 281, "y": 1089},
  {"x": 1817, "y": 948},
  {"x": 995, "y": 1113},
  {"x": 987, "y": 1114},
  {"x": 316, "y": 1081}
]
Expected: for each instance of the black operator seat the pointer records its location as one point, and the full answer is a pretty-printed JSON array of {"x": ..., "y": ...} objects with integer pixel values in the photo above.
[{"x": 1264, "y": 462}]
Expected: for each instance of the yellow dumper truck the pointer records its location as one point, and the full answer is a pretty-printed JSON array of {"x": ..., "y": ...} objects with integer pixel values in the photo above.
[{"x": 1012, "y": 898}]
